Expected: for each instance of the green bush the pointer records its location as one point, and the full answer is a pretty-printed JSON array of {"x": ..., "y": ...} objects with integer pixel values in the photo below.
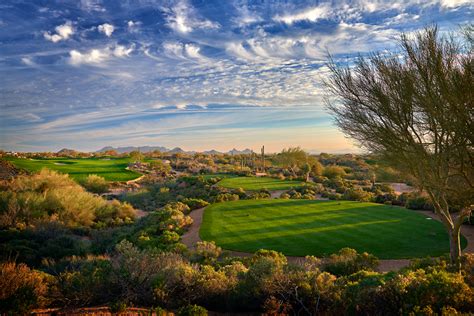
[
  {"x": 177, "y": 206},
  {"x": 358, "y": 194},
  {"x": 224, "y": 197},
  {"x": 95, "y": 184},
  {"x": 194, "y": 204},
  {"x": 285, "y": 195},
  {"x": 418, "y": 202},
  {"x": 192, "y": 310},
  {"x": 206, "y": 252},
  {"x": 348, "y": 261},
  {"x": 334, "y": 171}
]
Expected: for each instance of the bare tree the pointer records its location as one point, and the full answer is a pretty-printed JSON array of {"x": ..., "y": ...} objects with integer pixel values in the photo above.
[{"x": 416, "y": 110}]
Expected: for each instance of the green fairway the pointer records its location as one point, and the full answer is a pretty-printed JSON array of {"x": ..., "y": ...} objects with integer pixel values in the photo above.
[
  {"x": 217, "y": 175},
  {"x": 79, "y": 169},
  {"x": 257, "y": 183},
  {"x": 304, "y": 227}
]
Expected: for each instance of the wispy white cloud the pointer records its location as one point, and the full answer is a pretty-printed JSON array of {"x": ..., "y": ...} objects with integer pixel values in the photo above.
[
  {"x": 182, "y": 18},
  {"x": 97, "y": 56},
  {"x": 92, "y": 5},
  {"x": 183, "y": 51},
  {"x": 312, "y": 14},
  {"x": 245, "y": 16},
  {"x": 455, "y": 3},
  {"x": 133, "y": 26},
  {"x": 63, "y": 32},
  {"x": 28, "y": 61},
  {"x": 106, "y": 28}
]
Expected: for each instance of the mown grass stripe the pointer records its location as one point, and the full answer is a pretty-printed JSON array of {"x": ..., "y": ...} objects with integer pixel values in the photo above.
[{"x": 303, "y": 227}]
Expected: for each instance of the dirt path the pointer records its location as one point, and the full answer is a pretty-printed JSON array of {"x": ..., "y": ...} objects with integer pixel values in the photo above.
[
  {"x": 140, "y": 213},
  {"x": 191, "y": 237},
  {"x": 276, "y": 194}
]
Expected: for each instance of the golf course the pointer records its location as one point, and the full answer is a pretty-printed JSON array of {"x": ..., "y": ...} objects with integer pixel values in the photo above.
[
  {"x": 78, "y": 169},
  {"x": 257, "y": 183},
  {"x": 305, "y": 227}
]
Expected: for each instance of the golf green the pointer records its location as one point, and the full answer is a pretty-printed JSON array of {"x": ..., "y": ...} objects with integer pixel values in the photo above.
[
  {"x": 79, "y": 169},
  {"x": 257, "y": 183},
  {"x": 305, "y": 227}
]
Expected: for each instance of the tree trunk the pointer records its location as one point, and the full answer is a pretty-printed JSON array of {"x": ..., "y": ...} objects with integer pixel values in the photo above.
[{"x": 455, "y": 246}]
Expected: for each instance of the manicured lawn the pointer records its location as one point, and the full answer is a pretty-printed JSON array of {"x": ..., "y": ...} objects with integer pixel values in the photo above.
[
  {"x": 217, "y": 175},
  {"x": 79, "y": 169},
  {"x": 304, "y": 227},
  {"x": 257, "y": 183}
]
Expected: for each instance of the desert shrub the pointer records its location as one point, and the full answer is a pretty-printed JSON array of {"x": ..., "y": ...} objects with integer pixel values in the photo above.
[
  {"x": 21, "y": 289},
  {"x": 416, "y": 201},
  {"x": 357, "y": 194},
  {"x": 50, "y": 196},
  {"x": 258, "y": 196},
  {"x": 46, "y": 240},
  {"x": 467, "y": 261},
  {"x": 194, "y": 204},
  {"x": 332, "y": 196},
  {"x": 95, "y": 184},
  {"x": 224, "y": 197},
  {"x": 348, "y": 261},
  {"x": 239, "y": 191},
  {"x": 319, "y": 179},
  {"x": 334, "y": 171},
  {"x": 169, "y": 237},
  {"x": 115, "y": 213},
  {"x": 136, "y": 272},
  {"x": 177, "y": 206},
  {"x": 285, "y": 195},
  {"x": 206, "y": 252},
  {"x": 435, "y": 289},
  {"x": 84, "y": 282},
  {"x": 308, "y": 196},
  {"x": 118, "y": 307},
  {"x": 386, "y": 198},
  {"x": 363, "y": 294},
  {"x": 277, "y": 257},
  {"x": 182, "y": 283},
  {"x": 192, "y": 310},
  {"x": 296, "y": 195},
  {"x": 171, "y": 219}
]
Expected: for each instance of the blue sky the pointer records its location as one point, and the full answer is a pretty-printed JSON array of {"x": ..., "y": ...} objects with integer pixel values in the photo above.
[{"x": 195, "y": 74}]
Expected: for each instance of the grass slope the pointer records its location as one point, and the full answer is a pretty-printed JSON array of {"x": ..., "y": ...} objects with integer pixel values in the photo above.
[
  {"x": 304, "y": 227},
  {"x": 217, "y": 175},
  {"x": 257, "y": 183},
  {"x": 79, "y": 169}
]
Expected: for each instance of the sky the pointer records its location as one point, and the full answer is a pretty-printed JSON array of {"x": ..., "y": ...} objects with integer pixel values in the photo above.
[{"x": 200, "y": 75}]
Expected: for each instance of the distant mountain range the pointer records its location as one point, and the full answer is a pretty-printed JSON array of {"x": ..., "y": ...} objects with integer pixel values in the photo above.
[{"x": 146, "y": 149}]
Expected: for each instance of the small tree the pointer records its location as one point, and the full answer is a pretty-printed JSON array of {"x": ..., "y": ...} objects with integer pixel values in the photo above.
[
  {"x": 292, "y": 158},
  {"x": 416, "y": 110},
  {"x": 136, "y": 156}
]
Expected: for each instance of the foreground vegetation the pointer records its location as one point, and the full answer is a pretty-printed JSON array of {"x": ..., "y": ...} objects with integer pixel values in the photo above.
[
  {"x": 265, "y": 282},
  {"x": 304, "y": 227}
]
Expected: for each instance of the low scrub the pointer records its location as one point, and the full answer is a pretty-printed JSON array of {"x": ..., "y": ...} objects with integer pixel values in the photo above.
[{"x": 49, "y": 196}]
